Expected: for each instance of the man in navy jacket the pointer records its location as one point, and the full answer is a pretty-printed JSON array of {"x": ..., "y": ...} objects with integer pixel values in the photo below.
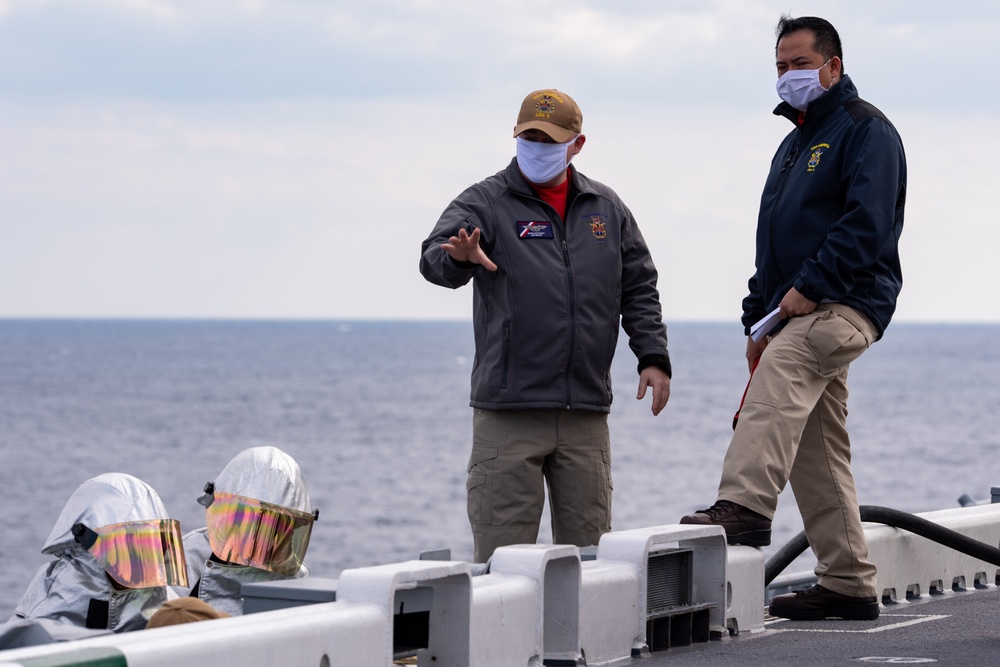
[{"x": 828, "y": 274}]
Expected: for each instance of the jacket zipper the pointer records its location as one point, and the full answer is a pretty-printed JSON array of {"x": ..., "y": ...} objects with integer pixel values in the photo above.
[
  {"x": 782, "y": 178},
  {"x": 569, "y": 296},
  {"x": 572, "y": 317},
  {"x": 506, "y": 355}
]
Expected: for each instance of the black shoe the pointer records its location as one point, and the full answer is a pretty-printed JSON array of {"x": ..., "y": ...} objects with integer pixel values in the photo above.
[
  {"x": 818, "y": 603},
  {"x": 742, "y": 526}
]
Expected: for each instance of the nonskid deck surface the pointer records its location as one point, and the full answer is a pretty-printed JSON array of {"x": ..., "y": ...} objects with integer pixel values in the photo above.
[{"x": 961, "y": 628}]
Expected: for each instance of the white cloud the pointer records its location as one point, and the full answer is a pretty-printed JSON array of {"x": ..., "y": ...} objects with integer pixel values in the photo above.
[
  {"x": 157, "y": 9},
  {"x": 287, "y": 158}
]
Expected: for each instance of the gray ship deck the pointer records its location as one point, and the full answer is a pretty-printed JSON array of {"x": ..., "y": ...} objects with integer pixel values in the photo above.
[{"x": 953, "y": 628}]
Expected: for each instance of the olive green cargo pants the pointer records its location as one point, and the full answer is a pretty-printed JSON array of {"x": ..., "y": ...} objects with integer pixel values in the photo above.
[{"x": 514, "y": 454}]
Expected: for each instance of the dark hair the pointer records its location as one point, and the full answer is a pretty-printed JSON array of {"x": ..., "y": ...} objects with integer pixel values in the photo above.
[{"x": 826, "y": 41}]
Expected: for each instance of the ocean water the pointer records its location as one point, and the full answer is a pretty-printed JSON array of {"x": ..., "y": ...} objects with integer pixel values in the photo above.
[{"x": 377, "y": 414}]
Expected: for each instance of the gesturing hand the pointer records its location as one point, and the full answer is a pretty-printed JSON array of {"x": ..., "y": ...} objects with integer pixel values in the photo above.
[{"x": 465, "y": 248}]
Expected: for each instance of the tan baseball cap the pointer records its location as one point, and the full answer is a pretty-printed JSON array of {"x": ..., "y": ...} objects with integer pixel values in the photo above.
[
  {"x": 551, "y": 111},
  {"x": 184, "y": 610}
]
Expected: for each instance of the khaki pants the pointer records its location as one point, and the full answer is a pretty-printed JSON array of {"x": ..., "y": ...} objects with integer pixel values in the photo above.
[
  {"x": 514, "y": 452},
  {"x": 792, "y": 428}
]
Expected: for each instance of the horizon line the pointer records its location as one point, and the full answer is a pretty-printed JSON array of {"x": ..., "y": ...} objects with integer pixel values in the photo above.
[{"x": 344, "y": 320}]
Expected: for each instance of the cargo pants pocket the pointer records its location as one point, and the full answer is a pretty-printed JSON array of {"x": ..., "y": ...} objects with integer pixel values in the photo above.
[
  {"x": 835, "y": 341},
  {"x": 608, "y": 484},
  {"x": 479, "y": 484}
]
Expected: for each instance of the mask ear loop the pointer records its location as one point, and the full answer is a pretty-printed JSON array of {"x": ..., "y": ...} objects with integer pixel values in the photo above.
[{"x": 829, "y": 60}]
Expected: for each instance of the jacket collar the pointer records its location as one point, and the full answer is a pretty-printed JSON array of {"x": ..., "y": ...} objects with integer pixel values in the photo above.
[{"x": 839, "y": 93}]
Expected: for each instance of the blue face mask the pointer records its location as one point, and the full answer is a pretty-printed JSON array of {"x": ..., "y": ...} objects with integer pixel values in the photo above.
[
  {"x": 541, "y": 162},
  {"x": 799, "y": 87}
]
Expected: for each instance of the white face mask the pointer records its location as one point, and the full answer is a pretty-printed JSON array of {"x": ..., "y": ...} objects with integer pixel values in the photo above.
[
  {"x": 541, "y": 162},
  {"x": 799, "y": 87}
]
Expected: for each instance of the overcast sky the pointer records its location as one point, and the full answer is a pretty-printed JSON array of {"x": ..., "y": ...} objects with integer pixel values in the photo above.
[{"x": 219, "y": 158}]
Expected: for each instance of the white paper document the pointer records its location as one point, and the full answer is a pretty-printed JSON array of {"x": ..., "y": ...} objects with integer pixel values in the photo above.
[{"x": 765, "y": 325}]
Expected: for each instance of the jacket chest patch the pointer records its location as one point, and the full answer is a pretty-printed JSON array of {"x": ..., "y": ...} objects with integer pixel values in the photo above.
[
  {"x": 534, "y": 229},
  {"x": 597, "y": 226},
  {"x": 815, "y": 156}
]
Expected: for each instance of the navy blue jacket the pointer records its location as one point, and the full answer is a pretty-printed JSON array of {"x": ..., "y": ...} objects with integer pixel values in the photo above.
[{"x": 832, "y": 210}]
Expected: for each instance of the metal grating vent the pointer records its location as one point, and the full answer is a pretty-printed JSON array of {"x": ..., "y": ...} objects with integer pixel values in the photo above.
[{"x": 668, "y": 580}]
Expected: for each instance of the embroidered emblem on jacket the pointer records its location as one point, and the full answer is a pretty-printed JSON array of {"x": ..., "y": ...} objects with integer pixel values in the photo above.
[
  {"x": 817, "y": 153},
  {"x": 534, "y": 229},
  {"x": 597, "y": 227}
]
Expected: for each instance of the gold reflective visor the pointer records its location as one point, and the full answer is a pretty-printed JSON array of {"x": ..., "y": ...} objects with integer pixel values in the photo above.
[
  {"x": 138, "y": 554},
  {"x": 245, "y": 531}
]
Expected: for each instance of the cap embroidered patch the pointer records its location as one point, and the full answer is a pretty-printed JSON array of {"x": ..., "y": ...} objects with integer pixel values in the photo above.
[
  {"x": 534, "y": 230},
  {"x": 545, "y": 106}
]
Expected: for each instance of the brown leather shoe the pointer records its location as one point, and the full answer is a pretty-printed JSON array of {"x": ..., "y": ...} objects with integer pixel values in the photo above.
[
  {"x": 742, "y": 526},
  {"x": 818, "y": 603}
]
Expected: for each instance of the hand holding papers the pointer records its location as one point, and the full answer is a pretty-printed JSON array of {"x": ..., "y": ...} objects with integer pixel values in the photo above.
[{"x": 765, "y": 325}]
